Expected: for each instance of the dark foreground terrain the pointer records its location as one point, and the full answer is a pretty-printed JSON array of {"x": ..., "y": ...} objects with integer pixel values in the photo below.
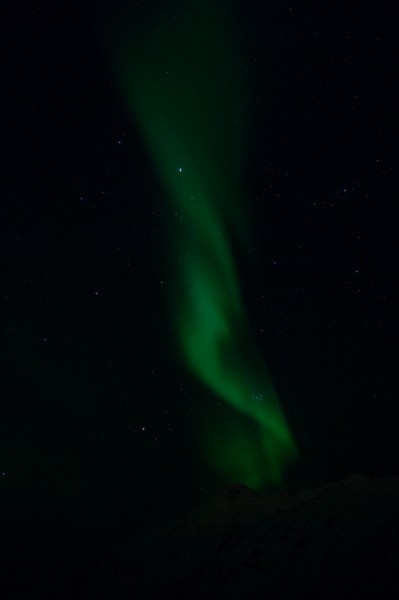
[{"x": 337, "y": 541}]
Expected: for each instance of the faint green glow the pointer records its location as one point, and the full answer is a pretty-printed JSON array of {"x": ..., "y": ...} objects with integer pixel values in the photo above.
[{"x": 184, "y": 82}]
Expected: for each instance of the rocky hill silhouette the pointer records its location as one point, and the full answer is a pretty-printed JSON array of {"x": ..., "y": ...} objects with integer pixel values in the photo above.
[{"x": 333, "y": 542}]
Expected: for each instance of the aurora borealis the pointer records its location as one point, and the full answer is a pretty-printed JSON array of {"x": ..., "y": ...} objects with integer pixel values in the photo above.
[
  {"x": 199, "y": 257},
  {"x": 190, "y": 119}
]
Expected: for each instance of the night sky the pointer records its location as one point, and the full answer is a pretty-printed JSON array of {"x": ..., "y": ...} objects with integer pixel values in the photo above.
[{"x": 98, "y": 411}]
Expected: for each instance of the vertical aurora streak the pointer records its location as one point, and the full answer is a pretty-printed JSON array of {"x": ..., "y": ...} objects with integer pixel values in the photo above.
[{"x": 184, "y": 83}]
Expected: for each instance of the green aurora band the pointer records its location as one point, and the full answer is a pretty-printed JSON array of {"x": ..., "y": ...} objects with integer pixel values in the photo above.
[{"x": 191, "y": 118}]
